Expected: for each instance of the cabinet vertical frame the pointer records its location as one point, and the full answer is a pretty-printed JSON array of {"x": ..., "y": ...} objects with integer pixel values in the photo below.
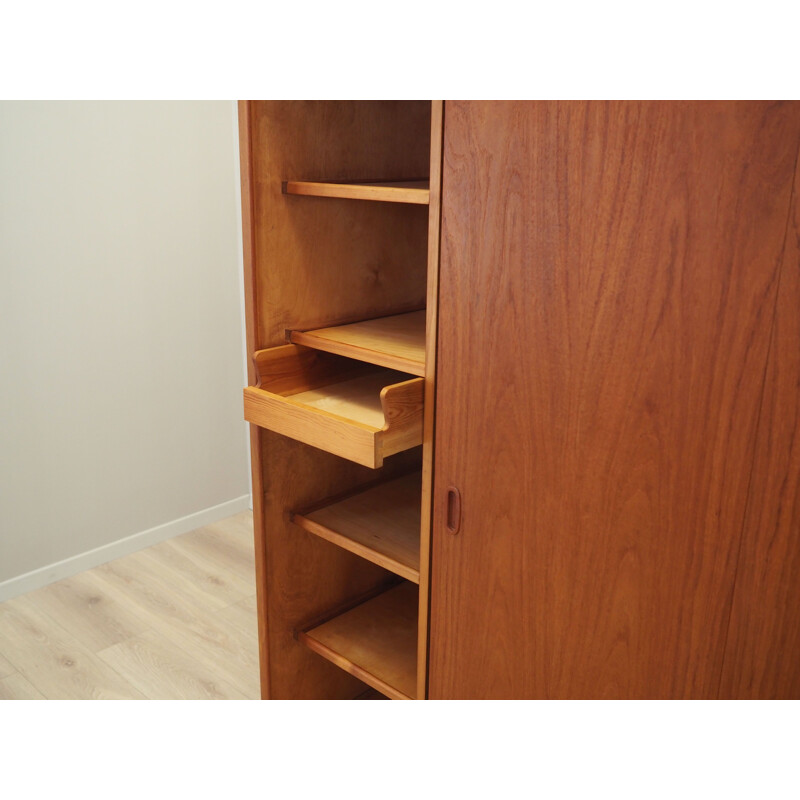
[
  {"x": 312, "y": 261},
  {"x": 432, "y": 307},
  {"x": 255, "y": 433}
]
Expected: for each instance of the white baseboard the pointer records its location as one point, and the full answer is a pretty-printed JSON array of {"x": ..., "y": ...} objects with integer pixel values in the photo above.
[{"x": 14, "y": 587}]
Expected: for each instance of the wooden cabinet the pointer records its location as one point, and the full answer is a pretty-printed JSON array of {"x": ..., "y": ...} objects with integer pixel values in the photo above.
[{"x": 612, "y": 494}]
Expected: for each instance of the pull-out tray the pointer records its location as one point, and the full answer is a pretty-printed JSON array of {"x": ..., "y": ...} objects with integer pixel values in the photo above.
[{"x": 351, "y": 409}]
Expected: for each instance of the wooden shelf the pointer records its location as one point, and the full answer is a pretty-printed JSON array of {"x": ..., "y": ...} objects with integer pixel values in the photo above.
[
  {"x": 396, "y": 342},
  {"x": 375, "y": 641},
  {"x": 371, "y": 694},
  {"x": 380, "y": 524},
  {"x": 414, "y": 192},
  {"x": 348, "y": 408}
]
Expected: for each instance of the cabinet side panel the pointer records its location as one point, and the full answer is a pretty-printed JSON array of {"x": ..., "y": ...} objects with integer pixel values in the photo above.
[
  {"x": 607, "y": 289},
  {"x": 762, "y": 658}
]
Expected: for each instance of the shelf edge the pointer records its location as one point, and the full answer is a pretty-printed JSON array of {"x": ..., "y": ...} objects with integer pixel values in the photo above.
[
  {"x": 359, "y": 191},
  {"x": 348, "y": 666},
  {"x": 377, "y": 357}
]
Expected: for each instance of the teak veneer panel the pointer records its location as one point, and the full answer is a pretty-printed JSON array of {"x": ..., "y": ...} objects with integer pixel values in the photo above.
[
  {"x": 380, "y": 523},
  {"x": 631, "y": 252},
  {"x": 376, "y": 641},
  {"x": 415, "y": 192},
  {"x": 396, "y": 342},
  {"x": 762, "y": 655}
]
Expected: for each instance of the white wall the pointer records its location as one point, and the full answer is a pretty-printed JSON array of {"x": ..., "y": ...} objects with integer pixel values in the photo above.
[{"x": 120, "y": 331}]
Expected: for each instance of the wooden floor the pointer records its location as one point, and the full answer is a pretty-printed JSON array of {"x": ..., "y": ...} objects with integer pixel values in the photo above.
[{"x": 174, "y": 621}]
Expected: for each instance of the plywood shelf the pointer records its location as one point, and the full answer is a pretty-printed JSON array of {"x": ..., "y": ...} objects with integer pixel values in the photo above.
[
  {"x": 353, "y": 410},
  {"x": 414, "y": 192},
  {"x": 375, "y": 641},
  {"x": 380, "y": 524},
  {"x": 396, "y": 342}
]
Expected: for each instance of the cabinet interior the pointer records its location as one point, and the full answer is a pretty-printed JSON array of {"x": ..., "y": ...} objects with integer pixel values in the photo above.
[{"x": 339, "y": 200}]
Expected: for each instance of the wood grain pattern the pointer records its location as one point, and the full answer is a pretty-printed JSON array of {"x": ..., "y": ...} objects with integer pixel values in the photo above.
[
  {"x": 347, "y": 438},
  {"x": 55, "y": 663},
  {"x": 181, "y": 614},
  {"x": 396, "y": 342},
  {"x": 415, "y": 192},
  {"x": 201, "y": 564},
  {"x": 358, "y": 399},
  {"x": 6, "y": 667},
  {"x": 380, "y": 523},
  {"x": 174, "y": 602},
  {"x": 168, "y": 672},
  {"x": 227, "y": 544},
  {"x": 762, "y": 657},
  {"x": 375, "y": 641},
  {"x": 90, "y": 615},
  {"x": 630, "y": 253},
  {"x": 18, "y": 687},
  {"x": 307, "y": 576},
  {"x": 243, "y": 616},
  {"x": 371, "y": 694}
]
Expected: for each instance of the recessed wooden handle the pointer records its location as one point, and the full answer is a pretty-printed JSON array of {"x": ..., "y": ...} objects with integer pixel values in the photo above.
[{"x": 453, "y": 510}]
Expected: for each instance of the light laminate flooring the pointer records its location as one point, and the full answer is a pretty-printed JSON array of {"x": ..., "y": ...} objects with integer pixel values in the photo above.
[{"x": 173, "y": 621}]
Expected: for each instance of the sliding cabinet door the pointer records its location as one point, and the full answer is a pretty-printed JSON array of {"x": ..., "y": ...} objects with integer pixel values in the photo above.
[
  {"x": 609, "y": 274},
  {"x": 762, "y": 653}
]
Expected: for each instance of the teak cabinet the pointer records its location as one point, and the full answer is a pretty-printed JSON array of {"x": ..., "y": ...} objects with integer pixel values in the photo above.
[{"x": 525, "y": 397}]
